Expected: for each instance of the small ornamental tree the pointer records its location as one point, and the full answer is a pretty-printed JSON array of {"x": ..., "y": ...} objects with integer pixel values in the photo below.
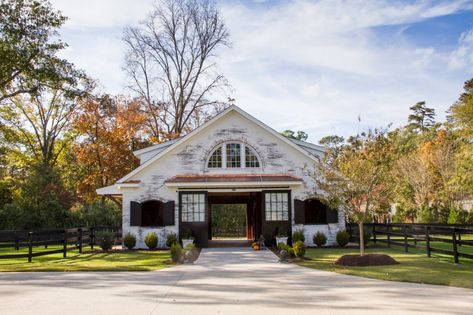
[{"x": 356, "y": 179}]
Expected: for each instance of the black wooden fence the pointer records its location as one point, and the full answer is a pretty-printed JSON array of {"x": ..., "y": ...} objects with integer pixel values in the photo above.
[
  {"x": 426, "y": 237},
  {"x": 68, "y": 239}
]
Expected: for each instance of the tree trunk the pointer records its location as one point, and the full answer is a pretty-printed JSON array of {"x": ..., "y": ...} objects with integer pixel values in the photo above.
[{"x": 362, "y": 238}]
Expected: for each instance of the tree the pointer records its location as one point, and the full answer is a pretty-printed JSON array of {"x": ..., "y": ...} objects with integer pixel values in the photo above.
[
  {"x": 171, "y": 64},
  {"x": 28, "y": 50},
  {"x": 334, "y": 144},
  {"x": 109, "y": 129},
  {"x": 421, "y": 118},
  {"x": 461, "y": 117},
  {"x": 356, "y": 180},
  {"x": 299, "y": 135},
  {"x": 40, "y": 123}
]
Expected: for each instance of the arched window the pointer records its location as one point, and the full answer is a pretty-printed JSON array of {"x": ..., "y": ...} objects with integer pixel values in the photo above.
[
  {"x": 215, "y": 160},
  {"x": 250, "y": 158},
  {"x": 233, "y": 155}
]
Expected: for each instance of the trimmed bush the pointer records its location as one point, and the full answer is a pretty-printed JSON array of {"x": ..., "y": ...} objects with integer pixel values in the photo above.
[
  {"x": 188, "y": 235},
  {"x": 176, "y": 252},
  {"x": 171, "y": 239},
  {"x": 299, "y": 248},
  {"x": 298, "y": 235},
  {"x": 287, "y": 248},
  {"x": 343, "y": 238},
  {"x": 320, "y": 239},
  {"x": 105, "y": 240},
  {"x": 151, "y": 240},
  {"x": 129, "y": 240}
]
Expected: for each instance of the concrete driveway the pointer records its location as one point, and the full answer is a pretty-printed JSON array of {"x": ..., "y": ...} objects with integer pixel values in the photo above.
[{"x": 224, "y": 281}]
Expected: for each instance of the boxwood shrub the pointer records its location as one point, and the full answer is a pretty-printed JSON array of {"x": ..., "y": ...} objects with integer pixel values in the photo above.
[
  {"x": 129, "y": 240},
  {"x": 151, "y": 240}
]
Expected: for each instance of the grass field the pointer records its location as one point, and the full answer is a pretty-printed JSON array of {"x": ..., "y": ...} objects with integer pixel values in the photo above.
[
  {"x": 139, "y": 260},
  {"x": 414, "y": 266}
]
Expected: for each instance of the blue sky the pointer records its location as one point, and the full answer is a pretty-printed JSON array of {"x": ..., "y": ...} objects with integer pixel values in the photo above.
[{"x": 310, "y": 65}]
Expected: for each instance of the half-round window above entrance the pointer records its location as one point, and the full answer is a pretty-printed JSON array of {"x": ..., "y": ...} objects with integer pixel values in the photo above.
[{"x": 233, "y": 155}]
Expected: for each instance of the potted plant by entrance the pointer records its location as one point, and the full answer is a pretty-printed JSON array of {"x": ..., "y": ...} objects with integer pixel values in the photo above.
[
  {"x": 188, "y": 238},
  {"x": 281, "y": 236}
]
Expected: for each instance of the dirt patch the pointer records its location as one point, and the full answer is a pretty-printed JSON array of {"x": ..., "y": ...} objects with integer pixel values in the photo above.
[{"x": 366, "y": 260}]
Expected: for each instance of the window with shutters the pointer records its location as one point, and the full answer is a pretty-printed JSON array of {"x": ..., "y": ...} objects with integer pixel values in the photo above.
[
  {"x": 193, "y": 207},
  {"x": 313, "y": 211},
  {"x": 152, "y": 213},
  {"x": 276, "y": 206}
]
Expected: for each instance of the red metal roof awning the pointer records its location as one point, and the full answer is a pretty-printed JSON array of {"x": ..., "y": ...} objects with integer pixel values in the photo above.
[{"x": 234, "y": 178}]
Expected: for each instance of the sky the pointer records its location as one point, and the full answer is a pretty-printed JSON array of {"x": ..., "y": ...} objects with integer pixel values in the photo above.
[{"x": 324, "y": 67}]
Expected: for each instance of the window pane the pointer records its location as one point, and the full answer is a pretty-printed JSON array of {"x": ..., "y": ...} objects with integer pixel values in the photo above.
[
  {"x": 277, "y": 206},
  {"x": 233, "y": 155},
  {"x": 193, "y": 207},
  {"x": 250, "y": 158},
  {"x": 215, "y": 160}
]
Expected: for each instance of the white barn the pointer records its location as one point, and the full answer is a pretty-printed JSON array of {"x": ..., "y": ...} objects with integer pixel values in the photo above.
[{"x": 232, "y": 159}]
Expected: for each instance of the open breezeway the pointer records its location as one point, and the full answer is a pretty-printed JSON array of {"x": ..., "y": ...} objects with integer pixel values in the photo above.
[{"x": 224, "y": 281}]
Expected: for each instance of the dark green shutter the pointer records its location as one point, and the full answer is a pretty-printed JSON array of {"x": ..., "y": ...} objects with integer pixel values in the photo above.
[
  {"x": 168, "y": 213},
  {"x": 332, "y": 215},
  {"x": 299, "y": 211},
  {"x": 135, "y": 213}
]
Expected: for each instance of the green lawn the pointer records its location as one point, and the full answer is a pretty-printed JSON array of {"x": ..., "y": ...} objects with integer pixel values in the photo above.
[
  {"x": 139, "y": 260},
  {"x": 414, "y": 266}
]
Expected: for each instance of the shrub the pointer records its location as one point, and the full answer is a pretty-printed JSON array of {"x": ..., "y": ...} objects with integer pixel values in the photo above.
[
  {"x": 171, "y": 239},
  {"x": 151, "y": 240},
  {"x": 298, "y": 235},
  {"x": 105, "y": 240},
  {"x": 281, "y": 232},
  {"x": 343, "y": 238},
  {"x": 299, "y": 249},
  {"x": 320, "y": 239},
  {"x": 129, "y": 240},
  {"x": 188, "y": 235},
  {"x": 176, "y": 252},
  {"x": 287, "y": 248}
]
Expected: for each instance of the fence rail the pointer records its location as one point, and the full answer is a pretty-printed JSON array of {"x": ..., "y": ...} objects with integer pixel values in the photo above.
[
  {"x": 441, "y": 238},
  {"x": 68, "y": 239}
]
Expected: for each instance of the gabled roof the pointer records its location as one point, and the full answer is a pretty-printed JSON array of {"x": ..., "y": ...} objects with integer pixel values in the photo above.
[
  {"x": 179, "y": 141},
  {"x": 162, "y": 145}
]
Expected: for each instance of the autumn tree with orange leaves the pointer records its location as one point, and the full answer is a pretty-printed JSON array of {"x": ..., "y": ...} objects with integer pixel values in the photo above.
[{"x": 109, "y": 129}]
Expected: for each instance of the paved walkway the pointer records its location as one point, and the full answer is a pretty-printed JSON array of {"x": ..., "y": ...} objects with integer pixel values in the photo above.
[{"x": 224, "y": 281}]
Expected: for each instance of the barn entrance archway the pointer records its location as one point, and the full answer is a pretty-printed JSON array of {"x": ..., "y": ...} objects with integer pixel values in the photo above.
[{"x": 234, "y": 218}]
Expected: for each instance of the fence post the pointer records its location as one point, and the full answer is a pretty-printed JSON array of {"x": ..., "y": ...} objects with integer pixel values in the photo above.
[
  {"x": 80, "y": 240},
  {"x": 64, "y": 241},
  {"x": 30, "y": 246},
  {"x": 388, "y": 228},
  {"x": 427, "y": 240},
  {"x": 374, "y": 233},
  {"x": 405, "y": 238},
  {"x": 459, "y": 238},
  {"x": 17, "y": 241},
  {"x": 92, "y": 238},
  {"x": 455, "y": 249}
]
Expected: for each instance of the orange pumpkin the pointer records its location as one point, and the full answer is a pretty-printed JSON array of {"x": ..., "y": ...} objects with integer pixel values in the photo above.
[{"x": 256, "y": 247}]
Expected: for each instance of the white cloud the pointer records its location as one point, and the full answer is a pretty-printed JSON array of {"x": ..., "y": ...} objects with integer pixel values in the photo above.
[
  {"x": 318, "y": 65},
  {"x": 311, "y": 65},
  {"x": 463, "y": 55}
]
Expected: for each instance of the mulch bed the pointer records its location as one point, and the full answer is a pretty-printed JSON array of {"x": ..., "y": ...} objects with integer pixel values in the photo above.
[{"x": 366, "y": 260}]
